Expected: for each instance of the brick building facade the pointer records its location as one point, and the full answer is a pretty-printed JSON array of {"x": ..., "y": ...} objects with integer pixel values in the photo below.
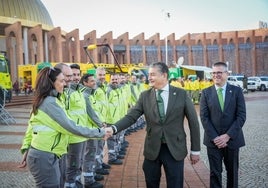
[{"x": 30, "y": 42}]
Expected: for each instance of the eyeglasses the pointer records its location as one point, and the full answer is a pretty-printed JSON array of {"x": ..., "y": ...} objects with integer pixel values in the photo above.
[{"x": 218, "y": 73}]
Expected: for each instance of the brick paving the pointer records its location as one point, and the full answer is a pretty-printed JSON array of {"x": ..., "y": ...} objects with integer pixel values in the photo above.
[{"x": 253, "y": 158}]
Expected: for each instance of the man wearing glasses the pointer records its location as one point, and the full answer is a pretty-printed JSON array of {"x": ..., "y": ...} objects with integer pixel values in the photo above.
[{"x": 223, "y": 114}]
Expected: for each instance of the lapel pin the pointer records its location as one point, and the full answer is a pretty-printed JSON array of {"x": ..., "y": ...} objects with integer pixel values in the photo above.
[
  {"x": 174, "y": 93},
  {"x": 230, "y": 91}
]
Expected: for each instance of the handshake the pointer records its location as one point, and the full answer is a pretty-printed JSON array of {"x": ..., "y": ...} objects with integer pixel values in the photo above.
[{"x": 109, "y": 131}]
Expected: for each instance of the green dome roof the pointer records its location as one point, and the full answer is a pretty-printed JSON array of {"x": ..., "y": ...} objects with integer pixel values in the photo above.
[{"x": 30, "y": 12}]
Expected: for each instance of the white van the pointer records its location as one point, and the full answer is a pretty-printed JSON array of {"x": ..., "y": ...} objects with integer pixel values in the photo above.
[
  {"x": 236, "y": 80},
  {"x": 262, "y": 82}
]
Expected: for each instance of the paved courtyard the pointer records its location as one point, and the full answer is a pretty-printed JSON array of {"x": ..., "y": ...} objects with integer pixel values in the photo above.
[
  {"x": 253, "y": 157},
  {"x": 253, "y": 172}
]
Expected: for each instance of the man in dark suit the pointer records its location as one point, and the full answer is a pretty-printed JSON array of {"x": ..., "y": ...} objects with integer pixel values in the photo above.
[
  {"x": 165, "y": 142},
  {"x": 223, "y": 124}
]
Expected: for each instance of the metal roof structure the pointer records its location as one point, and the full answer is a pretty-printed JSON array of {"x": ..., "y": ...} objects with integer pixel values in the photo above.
[{"x": 29, "y": 12}]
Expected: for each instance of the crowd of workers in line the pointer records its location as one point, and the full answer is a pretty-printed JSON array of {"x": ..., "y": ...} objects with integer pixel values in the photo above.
[
  {"x": 90, "y": 100},
  {"x": 73, "y": 116},
  {"x": 193, "y": 86}
]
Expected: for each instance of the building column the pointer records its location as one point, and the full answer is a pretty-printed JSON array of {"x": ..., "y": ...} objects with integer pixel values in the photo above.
[
  {"x": 237, "y": 55},
  {"x": 220, "y": 50},
  {"x": 25, "y": 45},
  {"x": 220, "y": 53},
  {"x": 14, "y": 42},
  {"x": 144, "y": 55},
  {"x": 205, "y": 55},
  {"x": 190, "y": 52},
  {"x": 190, "y": 55},
  {"x": 46, "y": 46},
  {"x": 253, "y": 54}
]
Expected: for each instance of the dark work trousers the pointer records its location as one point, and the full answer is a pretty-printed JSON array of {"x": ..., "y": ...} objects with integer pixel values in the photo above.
[
  {"x": 62, "y": 163},
  {"x": 73, "y": 163},
  {"x": 173, "y": 170},
  {"x": 230, "y": 158},
  {"x": 99, "y": 154},
  {"x": 112, "y": 146},
  {"x": 88, "y": 168},
  {"x": 121, "y": 139},
  {"x": 44, "y": 167}
]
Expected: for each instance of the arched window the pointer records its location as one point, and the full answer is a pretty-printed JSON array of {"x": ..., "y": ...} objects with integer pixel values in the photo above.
[
  {"x": 88, "y": 40},
  {"x": 168, "y": 42},
  {"x": 33, "y": 37},
  {"x": 12, "y": 34}
]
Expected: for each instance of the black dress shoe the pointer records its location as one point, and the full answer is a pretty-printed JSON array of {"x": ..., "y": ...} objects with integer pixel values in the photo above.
[
  {"x": 115, "y": 162},
  {"x": 98, "y": 177},
  {"x": 105, "y": 166},
  {"x": 94, "y": 185},
  {"x": 122, "y": 153},
  {"x": 102, "y": 171},
  {"x": 124, "y": 145},
  {"x": 120, "y": 156},
  {"x": 127, "y": 133},
  {"x": 123, "y": 149}
]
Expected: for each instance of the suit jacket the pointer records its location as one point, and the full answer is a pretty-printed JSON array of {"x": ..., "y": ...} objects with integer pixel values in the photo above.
[
  {"x": 230, "y": 121},
  {"x": 179, "y": 107}
]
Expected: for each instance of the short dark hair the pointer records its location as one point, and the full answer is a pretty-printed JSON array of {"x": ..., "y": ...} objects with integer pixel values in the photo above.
[
  {"x": 75, "y": 66},
  {"x": 85, "y": 77},
  {"x": 163, "y": 68},
  {"x": 217, "y": 64}
]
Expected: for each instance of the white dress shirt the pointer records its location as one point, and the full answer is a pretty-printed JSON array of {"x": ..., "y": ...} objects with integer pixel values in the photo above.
[
  {"x": 223, "y": 90},
  {"x": 164, "y": 95}
]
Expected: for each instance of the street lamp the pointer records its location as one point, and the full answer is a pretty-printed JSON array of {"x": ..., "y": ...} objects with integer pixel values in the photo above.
[
  {"x": 167, "y": 16},
  {"x": 94, "y": 46},
  {"x": 229, "y": 70}
]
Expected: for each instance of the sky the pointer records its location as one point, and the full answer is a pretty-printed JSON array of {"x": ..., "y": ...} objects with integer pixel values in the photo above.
[{"x": 151, "y": 16}]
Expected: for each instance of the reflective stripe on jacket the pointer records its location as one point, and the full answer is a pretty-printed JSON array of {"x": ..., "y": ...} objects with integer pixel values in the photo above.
[{"x": 50, "y": 128}]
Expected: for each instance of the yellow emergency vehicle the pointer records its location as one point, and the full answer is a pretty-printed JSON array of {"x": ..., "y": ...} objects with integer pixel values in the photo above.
[{"x": 5, "y": 78}]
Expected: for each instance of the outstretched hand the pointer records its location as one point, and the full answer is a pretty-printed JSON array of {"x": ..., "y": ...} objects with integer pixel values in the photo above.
[{"x": 108, "y": 132}]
